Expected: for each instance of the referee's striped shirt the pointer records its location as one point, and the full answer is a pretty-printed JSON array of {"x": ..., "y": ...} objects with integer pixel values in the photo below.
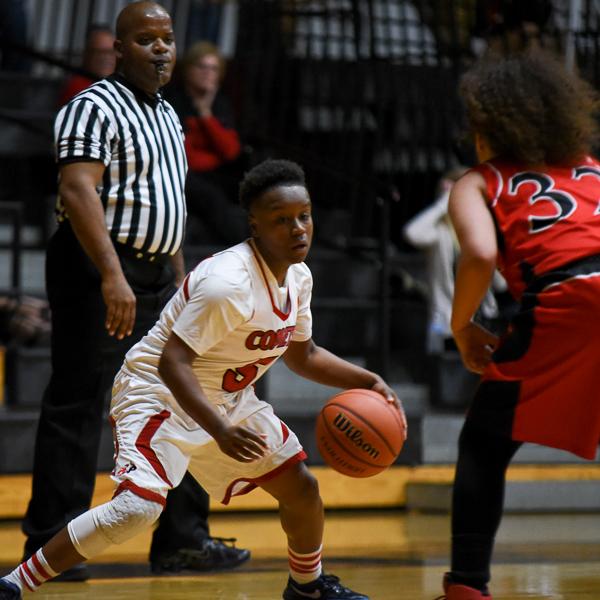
[{"x": 140, "y": 141}]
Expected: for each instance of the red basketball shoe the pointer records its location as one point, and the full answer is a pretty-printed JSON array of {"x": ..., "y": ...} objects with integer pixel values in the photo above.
[{"x": 457, "y": 591}]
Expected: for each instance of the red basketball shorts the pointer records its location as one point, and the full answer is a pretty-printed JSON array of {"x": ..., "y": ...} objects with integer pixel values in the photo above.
[{"x": 542, "y": 385}]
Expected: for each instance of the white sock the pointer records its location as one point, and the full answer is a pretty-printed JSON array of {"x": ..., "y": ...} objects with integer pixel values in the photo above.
[
  {"x": 31, "y": 573},
  {"x": 305, "y": 568}
]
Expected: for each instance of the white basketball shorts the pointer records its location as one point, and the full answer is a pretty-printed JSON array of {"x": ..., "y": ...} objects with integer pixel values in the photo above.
[{"x": 154, "y": 446}]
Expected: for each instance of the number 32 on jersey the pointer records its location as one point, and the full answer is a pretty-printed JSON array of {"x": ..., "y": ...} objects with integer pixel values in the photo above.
[{"x": 563, "y": 202}]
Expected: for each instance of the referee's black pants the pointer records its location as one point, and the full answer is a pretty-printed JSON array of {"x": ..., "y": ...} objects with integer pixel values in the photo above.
[{"x": 85, "y": 360}]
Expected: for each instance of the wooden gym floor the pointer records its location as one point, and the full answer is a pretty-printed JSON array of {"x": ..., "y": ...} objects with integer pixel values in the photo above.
[{"x": 389, "y": 554}]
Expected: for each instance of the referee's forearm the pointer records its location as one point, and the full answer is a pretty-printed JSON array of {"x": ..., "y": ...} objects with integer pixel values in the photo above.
[
  {"x": 86, "y": 216},
  {"x": 77, "y": 189}
]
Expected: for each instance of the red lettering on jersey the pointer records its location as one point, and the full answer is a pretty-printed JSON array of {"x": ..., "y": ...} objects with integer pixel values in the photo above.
[
  {"x": 284, "y": 335},
  {"x": 253, "y": 340},
  {"x": 267, "y": 340},
  {"x": 238, "y": 379}
]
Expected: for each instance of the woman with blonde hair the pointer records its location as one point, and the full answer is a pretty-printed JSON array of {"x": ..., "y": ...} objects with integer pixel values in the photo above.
[{"x": 212, "y": 146}]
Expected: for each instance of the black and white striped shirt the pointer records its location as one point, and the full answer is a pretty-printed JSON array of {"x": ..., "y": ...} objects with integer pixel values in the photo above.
[{"x": 140, "y": 141}]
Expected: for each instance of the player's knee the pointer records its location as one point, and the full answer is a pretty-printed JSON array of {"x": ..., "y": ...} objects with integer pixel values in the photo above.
[
  {"x": 126, "y": 516},
  {"x": 111, "y": 523},
  {"x": 308, "y": 489}
]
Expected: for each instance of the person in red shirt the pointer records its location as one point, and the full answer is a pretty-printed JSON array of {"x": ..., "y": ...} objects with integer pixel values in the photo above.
[
  {"x": 531, "y": 207},
  {"x": 99, "y": 59},
  {"x": 212, "y": 146}
]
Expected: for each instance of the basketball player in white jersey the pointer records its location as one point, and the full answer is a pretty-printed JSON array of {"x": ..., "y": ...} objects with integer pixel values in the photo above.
[{"x": 184, "y": 398}]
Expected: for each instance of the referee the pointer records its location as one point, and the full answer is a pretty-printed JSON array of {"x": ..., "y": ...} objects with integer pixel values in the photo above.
[{"x": 111, "y": 266}]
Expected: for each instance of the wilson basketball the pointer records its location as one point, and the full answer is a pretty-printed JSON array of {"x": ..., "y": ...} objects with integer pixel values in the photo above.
[{"x": 359, "y": 433}]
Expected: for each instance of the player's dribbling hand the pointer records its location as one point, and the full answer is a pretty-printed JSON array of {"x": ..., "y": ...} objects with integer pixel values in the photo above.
[
  {"x": 390, "y": 395},
  {"x": 241, "y": 443},
  {"x": 476, "y": 346}
]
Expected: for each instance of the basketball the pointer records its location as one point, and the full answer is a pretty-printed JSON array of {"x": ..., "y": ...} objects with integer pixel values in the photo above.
[{"x": 359, "y": 433}]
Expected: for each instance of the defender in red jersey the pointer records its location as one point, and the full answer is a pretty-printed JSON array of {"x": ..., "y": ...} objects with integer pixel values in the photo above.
[{"x": 532, "y": 209}]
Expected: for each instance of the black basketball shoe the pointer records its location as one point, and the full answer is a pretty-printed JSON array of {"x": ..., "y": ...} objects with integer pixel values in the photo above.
[
  {"x": 216, "y": 554},
  {"x": 326, "y": 587},
  {"x": 9, "y": 591}
]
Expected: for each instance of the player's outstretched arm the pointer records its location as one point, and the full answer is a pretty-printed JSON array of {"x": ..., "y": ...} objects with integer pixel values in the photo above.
[
  {"x": 175, "y": 369},
  {"x": 318, "y": 364}
]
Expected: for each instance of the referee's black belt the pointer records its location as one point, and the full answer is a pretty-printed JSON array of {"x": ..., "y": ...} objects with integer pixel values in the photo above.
[{"x": 133, "y": 253}]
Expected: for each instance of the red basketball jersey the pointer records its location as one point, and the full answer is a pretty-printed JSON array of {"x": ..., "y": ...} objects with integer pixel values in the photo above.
[{"x": 544, "y": 218}]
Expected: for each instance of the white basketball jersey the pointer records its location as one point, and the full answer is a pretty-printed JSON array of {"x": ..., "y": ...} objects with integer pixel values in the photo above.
[{"x": 232, "y": 313}]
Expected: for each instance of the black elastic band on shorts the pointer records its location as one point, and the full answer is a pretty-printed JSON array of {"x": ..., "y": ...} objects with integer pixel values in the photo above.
[{"x": 582, "y": 266}]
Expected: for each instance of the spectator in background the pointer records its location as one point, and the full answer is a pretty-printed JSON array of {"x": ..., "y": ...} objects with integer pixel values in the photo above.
[
  {"x": 431, "y": 231},
  {"x": 99, "y": 60},
  {"x": 25, "y": 320},
  {"x": 212, "y": 147},
  {"x": 510, "y": 25}
]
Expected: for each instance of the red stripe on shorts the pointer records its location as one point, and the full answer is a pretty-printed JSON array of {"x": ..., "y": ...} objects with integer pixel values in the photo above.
[
  {"x": 140, "y": 491},
  {"x": 253, "y": 483},
  {"x": 143, "y": 443}
]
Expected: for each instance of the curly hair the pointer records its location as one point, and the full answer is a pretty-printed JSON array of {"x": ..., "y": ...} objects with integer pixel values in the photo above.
[
  {"x": 268, "y": 174},
  {"x": 529, "y": 107}
]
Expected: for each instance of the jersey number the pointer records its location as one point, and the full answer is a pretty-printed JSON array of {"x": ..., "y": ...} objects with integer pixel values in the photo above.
[
  {"x": 238, "y": 379},
  {"x": 580, "y": 172},
  {"x": 562, "y": 201}
]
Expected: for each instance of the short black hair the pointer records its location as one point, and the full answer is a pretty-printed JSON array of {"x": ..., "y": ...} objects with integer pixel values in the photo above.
[{"x": 268, "y": 174}]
